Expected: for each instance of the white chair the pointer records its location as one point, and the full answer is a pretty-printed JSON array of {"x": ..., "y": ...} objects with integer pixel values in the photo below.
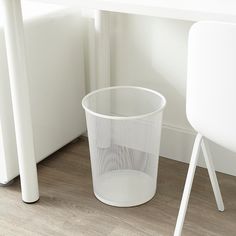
[{"x": 211, "y": 99}]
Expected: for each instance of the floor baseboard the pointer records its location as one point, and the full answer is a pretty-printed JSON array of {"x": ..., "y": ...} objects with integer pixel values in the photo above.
[{"x": 177, "y": 143}]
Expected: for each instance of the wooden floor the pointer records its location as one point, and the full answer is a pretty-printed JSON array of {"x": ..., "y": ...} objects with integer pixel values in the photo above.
[{"x": 68, "y": 207}]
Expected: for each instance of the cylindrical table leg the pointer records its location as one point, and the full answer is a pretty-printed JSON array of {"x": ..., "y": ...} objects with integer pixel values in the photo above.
[
  {"x": 103, "y": 76},
  {"x": 16, "y": 56},
  {"x": 102, "y": 32}
]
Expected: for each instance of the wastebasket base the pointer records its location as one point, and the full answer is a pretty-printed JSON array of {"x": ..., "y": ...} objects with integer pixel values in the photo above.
[{"x": 125, "y": 188}]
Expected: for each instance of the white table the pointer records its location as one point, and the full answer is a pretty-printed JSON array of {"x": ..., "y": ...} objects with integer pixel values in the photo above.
[{"x": 193, "y": 10}]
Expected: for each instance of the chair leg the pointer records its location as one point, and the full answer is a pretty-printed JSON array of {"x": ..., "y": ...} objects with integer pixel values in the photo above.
[
  {"x": 188, "y": 185},
  {"x": 212, "y": 174}
]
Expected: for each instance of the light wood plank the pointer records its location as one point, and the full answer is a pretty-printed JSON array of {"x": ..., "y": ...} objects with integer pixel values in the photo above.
[{"x": 68, "y": 207}]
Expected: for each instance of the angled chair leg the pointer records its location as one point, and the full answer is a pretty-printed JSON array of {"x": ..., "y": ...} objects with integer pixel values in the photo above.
[
  {"x": 212, "y": 174},
  {"x": 188, "y": 185}
]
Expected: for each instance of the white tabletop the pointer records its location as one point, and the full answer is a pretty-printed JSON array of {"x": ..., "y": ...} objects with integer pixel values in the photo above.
[{"x": 193, "y": 10}]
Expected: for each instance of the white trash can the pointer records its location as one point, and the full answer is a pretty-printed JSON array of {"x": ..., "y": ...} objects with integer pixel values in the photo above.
[{"x": 124, "y": 129}]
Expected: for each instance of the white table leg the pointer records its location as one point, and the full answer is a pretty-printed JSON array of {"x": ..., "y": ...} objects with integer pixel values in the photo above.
[
  {"x": 103, "y": 76},
  {"x": 102, "y": 32},
  {"x": 16, "y": 56}
]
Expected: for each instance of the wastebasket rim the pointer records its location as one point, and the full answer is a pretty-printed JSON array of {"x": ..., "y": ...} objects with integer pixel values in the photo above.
[{"x": 123, "y": 117}]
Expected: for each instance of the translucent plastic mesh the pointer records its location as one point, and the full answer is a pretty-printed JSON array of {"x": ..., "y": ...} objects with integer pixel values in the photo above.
[{"x": 124, "y": 148}]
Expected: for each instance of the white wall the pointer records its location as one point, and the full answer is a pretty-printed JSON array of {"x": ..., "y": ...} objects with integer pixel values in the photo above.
[{"x": 152, "y": 52}]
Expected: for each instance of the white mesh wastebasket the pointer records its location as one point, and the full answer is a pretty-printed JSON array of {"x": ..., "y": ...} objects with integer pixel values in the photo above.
[{"x": 124, "y": 128}]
